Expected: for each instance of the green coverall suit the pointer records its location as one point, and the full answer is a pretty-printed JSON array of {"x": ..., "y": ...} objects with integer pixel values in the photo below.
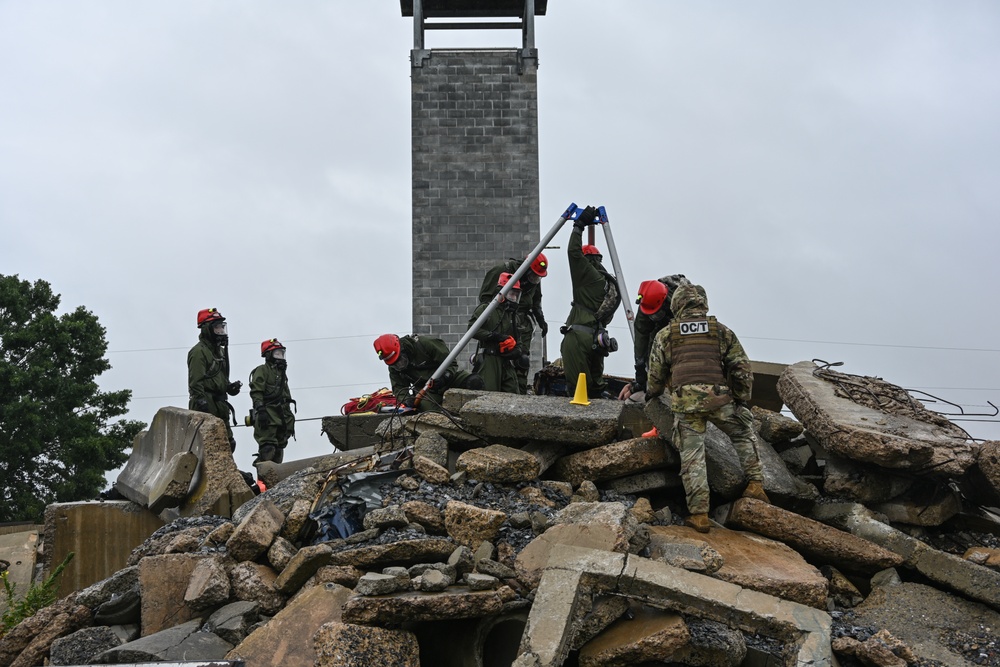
[
  {"x": 497, "y": 369},
  {"x": 274, "y": 422},
  {"x": 424, "y": 354},
  {"x": 529, "y": 309},
  {"x": 580, "y": 353},
  {"x": 646, "y": 327},
  {"x": 208, "y": 380}
]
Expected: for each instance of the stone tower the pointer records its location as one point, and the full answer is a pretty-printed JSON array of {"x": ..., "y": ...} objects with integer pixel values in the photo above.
[{"x": 475, "y": 157}]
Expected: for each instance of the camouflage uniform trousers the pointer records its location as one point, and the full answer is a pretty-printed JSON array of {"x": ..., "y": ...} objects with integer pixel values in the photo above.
[{"x": 689, "y": 439}]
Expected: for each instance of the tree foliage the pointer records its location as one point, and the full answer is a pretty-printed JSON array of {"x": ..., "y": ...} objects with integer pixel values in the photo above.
[{"x": 56, "y": 435}]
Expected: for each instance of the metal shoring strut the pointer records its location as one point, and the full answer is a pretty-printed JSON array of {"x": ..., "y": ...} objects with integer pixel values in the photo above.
[
  {"x": 570, "y": 213},
  {"x": 602, "y": 217}
]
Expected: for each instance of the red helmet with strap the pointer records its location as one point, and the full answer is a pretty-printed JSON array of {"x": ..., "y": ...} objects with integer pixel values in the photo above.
[
  {"x": 208, "y": 315},
  {"x": 387, "y": 348},
  {"x": 591, "y": 250},
  {"x": 540, "y": 266},
  {"x": 652, "y": 294},
  {"x": 270, "y": 344}
]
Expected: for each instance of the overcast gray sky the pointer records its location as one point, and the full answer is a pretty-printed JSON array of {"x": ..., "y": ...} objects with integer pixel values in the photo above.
[{"x": 828, "y": 171}]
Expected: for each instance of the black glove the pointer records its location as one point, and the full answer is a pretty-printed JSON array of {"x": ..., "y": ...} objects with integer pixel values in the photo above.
[
  {"x": 408, "y": 401},
  {"x": 263, "y": 419},
  {"x": 233, "y": 388},
  {"x": 495, "y": 338},
  {"x": 588, "y": 217},
  {"x": 542, "y": 324},
  {"x": 201, "y": 405},
  {"x": 445, "y": 380},
  {"x": 640, "y": 377}
]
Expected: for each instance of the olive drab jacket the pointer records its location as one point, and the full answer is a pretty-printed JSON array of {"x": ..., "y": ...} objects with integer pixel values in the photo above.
[
  {"x": 423, "y": 354},
  {"x": 589, "y": 284},
  {"x": 208, "y": 377},
  {"x": 690, "y": 306},
  {"x": 269, "y": 392}
]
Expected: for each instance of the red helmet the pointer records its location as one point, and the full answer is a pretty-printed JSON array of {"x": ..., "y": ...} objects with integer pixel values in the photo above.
[
  {"x": 208, "y": 315},
  {"x": 270, "y": 344},
  {"x": 387, "y": 347},
  {"x": 540, "y": 266},
  {"x": 652, "y": 294},
  {"x": 591, "y": 250},
  {"x": 505, "y": 278}
]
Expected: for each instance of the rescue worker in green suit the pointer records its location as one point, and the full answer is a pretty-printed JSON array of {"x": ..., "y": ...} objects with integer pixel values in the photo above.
[
  {"x": 586, "y": 341},
  {"x": 412, "y": 361},
  {"x": 273, "y": 420},
  {"x": 654, "y": 314},
  {"x": 529, "y": 308},
  {"x": 499, "y": 354},
  {"x": 703, "y": 364},
  {"x": 208, "y": 371}
]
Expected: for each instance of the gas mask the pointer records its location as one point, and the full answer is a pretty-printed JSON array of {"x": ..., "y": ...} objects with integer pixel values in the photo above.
[
  {"x": 512, "y": 299},
  {"x": 401, "y": 363},
  {"x": 219, "y": 332},
  {"x": 278, "y": 358}
]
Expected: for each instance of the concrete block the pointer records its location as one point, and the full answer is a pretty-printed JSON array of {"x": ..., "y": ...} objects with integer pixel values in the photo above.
[
  {"x": 618, "y": 459},
  {"x": 497, "y": 416}
]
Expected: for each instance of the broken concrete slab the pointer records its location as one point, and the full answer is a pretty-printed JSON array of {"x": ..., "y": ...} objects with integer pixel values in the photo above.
[
  {"x": 974, "y": 581},
  {"x": 649, "y": 635},
  {"x": 404, "y": 552},
  {"x": 339, "y": 644},
  {"x": 758, "y": 563},
  {"x": 303, "y": 565},
  {"x": 499, "y": 464},
  {"x": 163, "y": 581},
  {"x": 287, "y": 638},
  {"x": 209, "y": 584},
  {"x": 454, "y": 603},
  {"x": 933, "y": 623},
  {"x": 855, "y": 431},
  {"x": 153, "y": 474},
  {"x": 233, "y": 621},
  {"x": 603, "y": 611},
  {"x": 819, "y": 541},
  {"x": 79, "y": 647},
  {"x": 354, "y": 431},
  {"x": 618, "y": 459},
  {"x": 501, "y": 417},
  {"x": 775, "y": 427},
  {"x": 654, "y": 480},
  {"x": 101, "y": 534},
  {"x": 923, "y": 505},
  {"x": 571, "y": 570},
  {"x": 179, "y": 642},
  {"x": 862, "y": 483},
  {"x": 689, "y": 553}
]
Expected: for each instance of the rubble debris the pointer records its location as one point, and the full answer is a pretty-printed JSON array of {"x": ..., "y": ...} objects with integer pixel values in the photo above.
[{"x": 873, "y": 421}]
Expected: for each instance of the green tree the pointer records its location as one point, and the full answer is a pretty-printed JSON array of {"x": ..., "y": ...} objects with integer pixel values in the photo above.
[{"x": 56, "y": 441}]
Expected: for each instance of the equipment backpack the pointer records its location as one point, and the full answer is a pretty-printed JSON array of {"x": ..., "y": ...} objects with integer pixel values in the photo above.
[{"x": 374, "y": 402}]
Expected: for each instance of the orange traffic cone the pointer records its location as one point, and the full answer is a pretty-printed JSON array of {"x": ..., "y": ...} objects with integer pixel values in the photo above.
[{"x": 580, "y": 397}]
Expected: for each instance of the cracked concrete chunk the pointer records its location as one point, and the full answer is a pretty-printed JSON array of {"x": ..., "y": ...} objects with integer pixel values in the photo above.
[
  {"x": 498, "y": 416},
  {"x": 286, "y": 639},
  {"x": 861, "y": 433},
  {"x": 255, "y": 532},
  {"x": 650, "y": 635},
  {"x": 233, "y": 621},
  {"x": 302, "y": 565},
  {"x": 346, "y": 645},
  {"x": 78, "y": 648},
  {"x": 253, "y": 582},
  {"x": 670, "y": 547},
  {"x": 618, "y": 459},
  {"x": 821, "y": 542},
  {"x": 173, "y": 644},
  {"x": 469, "y": 525},
  {"x": 406, "y": 552},
  {"x": 499, "y": 464},
  {"x": 163, "y": 581},
  {"x": 209, "y": 584},
  {"x": 451, "y": 604}
]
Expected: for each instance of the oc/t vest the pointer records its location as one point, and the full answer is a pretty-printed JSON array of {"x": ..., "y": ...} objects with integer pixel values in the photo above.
[{"x": 695, "y": 357}]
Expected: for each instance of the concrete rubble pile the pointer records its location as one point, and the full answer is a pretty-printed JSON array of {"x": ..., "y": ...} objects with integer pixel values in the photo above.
[{"x": 523, "y": 530}]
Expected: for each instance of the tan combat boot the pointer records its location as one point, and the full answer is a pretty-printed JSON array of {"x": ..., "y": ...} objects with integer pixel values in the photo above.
[
  {"x": 699, "y": 522},
  {"x": 756, "y": 490}
]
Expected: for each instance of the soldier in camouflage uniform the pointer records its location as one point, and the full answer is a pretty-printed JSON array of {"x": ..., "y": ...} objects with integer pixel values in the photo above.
[
  {"x": 412, "y": 360},
  {"x": 529, "y": 308},
  {"x": 708, "y": 374},
  {"x": 273, "y": 421},
  {"x": 208, "y": 371},
  {"x": 586, "y": 341}
]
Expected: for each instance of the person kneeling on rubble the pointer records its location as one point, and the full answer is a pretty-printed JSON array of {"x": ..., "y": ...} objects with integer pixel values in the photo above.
[
  {"x": 412, "y": 360},
  {"x": 708, "y": 373}
]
